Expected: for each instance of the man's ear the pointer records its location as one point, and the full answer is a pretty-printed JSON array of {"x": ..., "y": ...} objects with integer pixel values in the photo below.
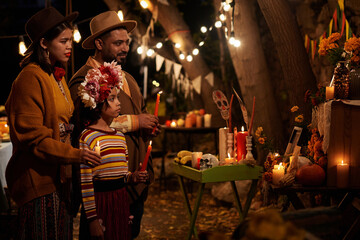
[{"x": 98, "y": 44}]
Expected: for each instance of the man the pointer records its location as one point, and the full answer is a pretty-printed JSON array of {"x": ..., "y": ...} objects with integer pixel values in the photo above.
[{"x": 110, "y": 39}]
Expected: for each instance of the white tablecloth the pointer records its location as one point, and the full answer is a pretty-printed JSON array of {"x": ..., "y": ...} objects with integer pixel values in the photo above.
[{"x": 5, "y": 155}]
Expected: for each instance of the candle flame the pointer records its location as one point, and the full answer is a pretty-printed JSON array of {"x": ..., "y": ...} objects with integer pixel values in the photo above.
[
  {"x": 242, "y": 128},
  {"x": 150, "y": 142},
  {"x": 342, "y": 162},
  {"x": 160, "y": 92},
  {"x": 229, "y": 155},
  {"x": 98, "y": 144},
  {"x": 276, "y": 155}
]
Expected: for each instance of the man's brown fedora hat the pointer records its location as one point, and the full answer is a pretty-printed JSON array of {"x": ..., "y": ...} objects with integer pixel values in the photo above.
[
  {"x": 105, "y": 22},
  {"x": 43, "y": 21}
]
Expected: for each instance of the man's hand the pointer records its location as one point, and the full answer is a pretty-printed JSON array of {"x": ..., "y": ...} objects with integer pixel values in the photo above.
[
  {"x": 90, "y": 158},
  {"x": 157, "y": 130},
  {"x": 139, "y": 176},
  {"x": 147, "y": 121}
]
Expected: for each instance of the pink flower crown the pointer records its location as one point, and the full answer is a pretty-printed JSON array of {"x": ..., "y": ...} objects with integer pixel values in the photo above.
[{"x": 99, "y": 82}]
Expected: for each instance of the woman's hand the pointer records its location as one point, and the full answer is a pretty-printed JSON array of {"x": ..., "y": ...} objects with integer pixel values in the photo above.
[
  {"x": 96, "y": 230},
  {"x": 90, "y": 158}
]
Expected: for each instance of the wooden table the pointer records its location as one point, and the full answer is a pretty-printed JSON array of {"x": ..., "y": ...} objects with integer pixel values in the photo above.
[{"x": 230, "y": 173}]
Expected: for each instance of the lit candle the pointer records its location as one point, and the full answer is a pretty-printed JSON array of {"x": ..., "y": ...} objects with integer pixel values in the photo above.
[
  {"x": 144, "y": 165},
  {"x": 229, "y": 160},
  {"x": 173, "y": 123},
  {"x": 241, "y": 144},
  {"x": 97, "y": 148},
  {"x": 207, "y": 120},
  {"x": 195, "y": 159},
  {"x": 157, "y": 107},
  {"x": 278, "y": 173},
  {"x": 329, "y": 93},
  {"x": 342, "y": 174}
]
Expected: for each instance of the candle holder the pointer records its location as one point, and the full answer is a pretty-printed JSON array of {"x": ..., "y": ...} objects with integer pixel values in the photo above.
[
  {"x": 249, "y": 158},
  {"x": 230, "y": 144}
]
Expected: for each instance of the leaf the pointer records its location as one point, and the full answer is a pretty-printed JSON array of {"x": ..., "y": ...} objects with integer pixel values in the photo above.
[{"x": 243, "y": 109}]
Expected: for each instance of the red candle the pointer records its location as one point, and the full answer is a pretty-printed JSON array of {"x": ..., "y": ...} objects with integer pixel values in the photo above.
[
  {"x": 157, "y": 108},
  {"x": 144, "y": 165},
  {"x": 241, "y": 144}
]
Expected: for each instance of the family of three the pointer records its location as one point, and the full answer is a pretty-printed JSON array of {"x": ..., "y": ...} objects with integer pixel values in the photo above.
[{"x": 87, "y": 137}]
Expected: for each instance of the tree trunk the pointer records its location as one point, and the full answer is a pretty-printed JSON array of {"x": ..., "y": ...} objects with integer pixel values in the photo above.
[
  {"x": 252, "y": 72},
  {"x": 289, "y": 45}
]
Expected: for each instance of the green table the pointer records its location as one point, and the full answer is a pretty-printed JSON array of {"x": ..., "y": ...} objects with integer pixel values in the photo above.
[{"x": 230, "y": 173}]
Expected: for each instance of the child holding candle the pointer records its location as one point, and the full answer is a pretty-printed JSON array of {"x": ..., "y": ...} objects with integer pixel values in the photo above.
[{"x": 106, "y": 212}]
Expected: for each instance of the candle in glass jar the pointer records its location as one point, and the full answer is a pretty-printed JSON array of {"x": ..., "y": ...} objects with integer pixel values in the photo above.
[
  {"x": 97, "y": 148},
  {"x": 241, "y": 144},
  {"x": 278, "y": 173},
  {"x": 173, "y": 123},
  {"x": 342, "y": 175},
  {"x": 229, "y": 160},
  {"x": 329, "y": 93}
]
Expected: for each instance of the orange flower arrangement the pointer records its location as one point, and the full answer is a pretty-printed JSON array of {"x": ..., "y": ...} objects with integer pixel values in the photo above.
[{"x": 352, "y": 46}]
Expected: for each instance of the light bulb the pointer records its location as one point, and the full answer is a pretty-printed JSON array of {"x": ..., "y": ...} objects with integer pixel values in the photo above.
[
  {"x": 22, "y": 46},
  {"x": 150, "y": 52},
  {"x": 76, "y": 34},
  {"x": 189, "y": 58},
  {"x": 144, "y": 4},
  {"x": 237, "y": 43},
  {"x": 159, "y": 45},
  {"x": 232, "y": 40},
  {"x": 218, "y": 24},
  {"x": 177, "y": 45},
  {"x": 120, "y": 15},
  {"x": 201, "y": 43},
  {"x": 203, "y": 29},
  {"x": 140, "y": 50},
  {"x": 182, "y": 56},
  {"x": 222, "y": 17},
  {"x": 195, "y": 51},
  {"x": 226, "y": 7}
]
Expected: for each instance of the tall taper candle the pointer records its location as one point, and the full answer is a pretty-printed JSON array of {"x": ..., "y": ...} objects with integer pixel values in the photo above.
[
  {"x": 156, "y": 107},
  {"x": 144, "y": 164}
]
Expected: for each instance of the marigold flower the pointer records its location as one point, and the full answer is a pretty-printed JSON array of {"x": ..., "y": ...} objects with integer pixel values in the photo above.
[
  {"x": 299, "y": 118},
  {"x": 294, "y": 108},
  {"x": 258, "y": 132},
  {"x": 261, "y": 140}
]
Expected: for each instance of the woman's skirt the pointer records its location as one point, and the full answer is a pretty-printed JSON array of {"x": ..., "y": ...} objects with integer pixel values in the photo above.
[{"x": 45, "y": 217}]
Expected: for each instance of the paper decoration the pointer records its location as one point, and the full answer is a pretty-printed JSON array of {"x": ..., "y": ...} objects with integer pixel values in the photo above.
[
  {"x": 173, "y": 82},
  {"x": 210, "y": 78},
  {"x": 159, "y": 62},
  {"x": 177, "y": 69},
  {"x": 168, "y": 66},
  {"x": 186, "y": 87},
  {"x": 196, "y": 83},
  {"x": 222, "y": 103},
  {"x": 191, "y": 91}
]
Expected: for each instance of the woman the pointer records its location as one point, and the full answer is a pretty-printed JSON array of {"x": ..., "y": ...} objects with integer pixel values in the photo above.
[{"x": 39, "y": 108}]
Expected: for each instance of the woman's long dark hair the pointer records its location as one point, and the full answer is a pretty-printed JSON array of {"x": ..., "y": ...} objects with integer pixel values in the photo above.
[
  {"x": 38, "y": 54},
  {"x": 83, "y": 117}
]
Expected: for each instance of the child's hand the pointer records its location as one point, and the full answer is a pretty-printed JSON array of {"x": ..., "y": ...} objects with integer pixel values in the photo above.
[
  {"x": 96, "y": 229},
  {"x": 90, "y": 158}
]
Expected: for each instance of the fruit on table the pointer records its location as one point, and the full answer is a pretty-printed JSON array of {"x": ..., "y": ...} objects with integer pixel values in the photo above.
[
  {"x": 180, "y": 122},
  {"x": 202, "y": 112},
  {"x": 310, "y": 175},
  {"x": 185, "y": 160},
  {"x": 183, "y": 153},
  {"x": 167, "y": 123}
]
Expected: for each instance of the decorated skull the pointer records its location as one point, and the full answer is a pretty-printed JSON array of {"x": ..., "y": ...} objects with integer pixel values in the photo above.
[
  {"x": 222, "y": 103},
  {"x": 208, "y": 161}
]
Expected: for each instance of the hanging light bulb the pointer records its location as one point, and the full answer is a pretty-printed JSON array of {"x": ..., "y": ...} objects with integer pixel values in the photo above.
[
  {"x": 159, "y": 45},
  {"x": 195, "y": 51},
  {"x": 201, "y": 43},
  {"x": 144, "y": 4},
  {"x": 203, "y": 29},
  {"x": 237, "y": 43},
  {"x": 189, "y": 58},
  {"x": 232, "y": 38},
  {"x": 218, "y": 24},
  {"x": 140, "y": 50},
  {"x": 222, "y": 17},
  {"x": 22, "y": 46},
  {"x": 226, "y": 7},
  {"x": 150, "y": 52},
  {"x": 76, "y": 34},
  {"x": 182, "y": 56},
  {"x": 120, "y": 15},
  {"x": 177, "y": 45}
]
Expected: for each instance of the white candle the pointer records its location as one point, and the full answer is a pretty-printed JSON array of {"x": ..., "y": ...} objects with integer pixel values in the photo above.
[
  {"x": 97, "y": 148},
  {"x": 207, "y": 120},
  {"x": 222, "y": 144},
  {"x": 278, "y": 173},
  {"x": 342, "y": 175}
]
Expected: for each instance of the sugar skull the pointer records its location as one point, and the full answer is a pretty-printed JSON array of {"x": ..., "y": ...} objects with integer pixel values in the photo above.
[
  {"x": 222, "y": 103},
  {"x": 208, "y": 161}
]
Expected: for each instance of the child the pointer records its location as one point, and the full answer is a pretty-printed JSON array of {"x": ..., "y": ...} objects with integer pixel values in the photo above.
[{"x": 105, "y": 199}]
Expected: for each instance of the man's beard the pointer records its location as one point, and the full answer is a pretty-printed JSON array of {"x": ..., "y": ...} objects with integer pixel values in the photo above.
[{"x": 120, "y": 61}]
